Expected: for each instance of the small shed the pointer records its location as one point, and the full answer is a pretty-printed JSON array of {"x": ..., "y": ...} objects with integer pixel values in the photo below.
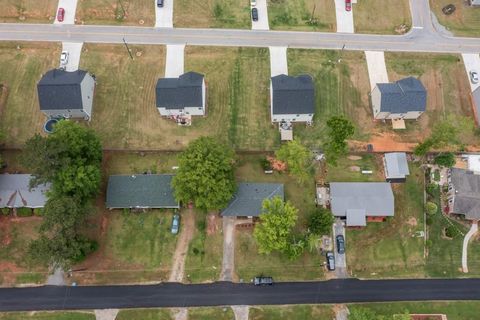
[{"x": 396, "y": 166}]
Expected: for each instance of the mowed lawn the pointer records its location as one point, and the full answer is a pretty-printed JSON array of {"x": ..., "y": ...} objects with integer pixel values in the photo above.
[
  {"x": 212, "y": 14},
  {"x": 302, "y": 15},
  {"x": 28, "y": 11},
  {"x": 341, "y": 88},
  {"x": 380, "y": 16},
  {"x": 298, "y": 312},
  {"x": 465, "y": 21},
  {"x": 389, "y": 249},
  {"x": 127, "y": 12},
  {"x": 448, "y": 92},
  {"x": 21, "y": 67},
  {"x": 144, "y": 314},
  {"x": 45, "y": 315},
  {"x": 219, "y": 313},
  {"x": 348, "y": 169}
]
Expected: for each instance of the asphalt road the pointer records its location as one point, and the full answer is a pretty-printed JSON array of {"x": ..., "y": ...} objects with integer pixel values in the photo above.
[{"x": 226, "y": 293}]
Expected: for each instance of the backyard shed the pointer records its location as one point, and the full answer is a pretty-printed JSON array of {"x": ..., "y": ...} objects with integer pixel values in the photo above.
[{"x": 396, "y": 166}]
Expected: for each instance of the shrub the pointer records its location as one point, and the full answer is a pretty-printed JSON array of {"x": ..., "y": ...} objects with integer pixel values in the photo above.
[
  {"x": 266, "y": 165},
  {"x": 429, "y": 220},
  {"x": 431, "y": 188},
  {"x": 38, "y": 212},
  {"x": 431, "y": 208},
  {"x": 451, "y": 232},
  {"x": 320, "y": 221},
  {"x": 429, "y": 243},
  {"x": 5, "y": 211},
  {"x": 24, "y": 212},
  {"x": 446, "y": 159}
]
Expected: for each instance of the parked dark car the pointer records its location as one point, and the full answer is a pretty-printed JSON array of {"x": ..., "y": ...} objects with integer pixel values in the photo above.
[
  {"x": 175, "y": 224},
  {"x": 60, "y": 14},
  {"x": 254, "y": 14},
  {"x": 340, "y": 244},
  {"x": 159, "y": 3},
  {"x": 348, "y": 5},
  {"x": 263, "y": 281},
  {"x": 330, "y": 260}
]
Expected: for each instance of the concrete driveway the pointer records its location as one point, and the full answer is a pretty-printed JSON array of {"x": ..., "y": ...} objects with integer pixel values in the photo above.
[
  {"x": 164, "y": 15},
  {"x": 377, "y": 70},
  {"x": 262, "y": 23},
  {"x": 70, "y": 7},
  {"x": 228, "y": 262},
  {"x": 340, "y": 259},
  {"x": 174, "y": 65},
  {"x": 278, "y": 61},
  {"x": 472, "y": 63},
  {"x": 344, "y": 18},
  {"x": 466, "y": 240},
  {"x": 74, "y": 50}
]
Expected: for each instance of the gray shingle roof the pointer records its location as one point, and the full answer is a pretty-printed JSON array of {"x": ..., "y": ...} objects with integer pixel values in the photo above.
[
  {"x": 467, "y": 193},
  {"x": 476, "y": 102},
  {"x": 15, "y": 192},
  {"x": 375, "y": 198},
  {"x": 59, "y": 90},
  {"x": 403, "y": 96},
  {"x": 356, "y": 218},
  {"x": 293, "y": 95},
  {"x": 178, "y": 93},
  {"x": 396, "y": 165},
  {"x": 141, "y": 191},
  {"x": 248, "y": 199}
]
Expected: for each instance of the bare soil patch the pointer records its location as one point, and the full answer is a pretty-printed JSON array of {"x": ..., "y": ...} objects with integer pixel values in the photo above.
[
  {"x": 354, "y": 158},
  {"x": 186, "y": 234}
]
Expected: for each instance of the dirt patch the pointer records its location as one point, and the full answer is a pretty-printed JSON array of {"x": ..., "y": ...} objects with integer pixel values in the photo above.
[
  {"x": 383, "y": 142},
  {"x": 212, "y": 224},
  {"x": 354, "y": 168},
  {"x": 412, "y": 222},
  {"x": 354, "y": 158},
  {"x": 186, "y": 234}
]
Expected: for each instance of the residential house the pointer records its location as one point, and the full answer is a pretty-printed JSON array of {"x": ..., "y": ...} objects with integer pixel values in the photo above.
[
  {"x": 66, "y": 94},
  {"x": 396, "y": 166},
  {"x": 464, "y": 193},
  {"x": 182, "y": 96},
  {"x": 403, "y": 99},
  {"x": 247, "y": 200},
  {"x": 359, "y": 202},
  {"x": 292, "y": 99},
  {"x": 475, "y": 2},
  {"x": 142, "y": 191},
  {"x": 15, "y": 192},
  {"x": 476, "y": 105}
]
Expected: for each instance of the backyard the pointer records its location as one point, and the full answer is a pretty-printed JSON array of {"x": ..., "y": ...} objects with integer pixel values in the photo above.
[
  {"x": 125, "y": 12},
  {"x": 385, "y": 18},
  {"x": 465, "y": 21},
  {"x": 349, "y": 169},
  {"x": 28, "y": 11}
]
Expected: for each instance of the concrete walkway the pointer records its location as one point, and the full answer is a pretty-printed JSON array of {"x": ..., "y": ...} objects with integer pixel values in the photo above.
[
  {"x": 468, "y": 236},
  {"x": 262, "y": 23},
  {"x": 180, "y": 313},
  {"x": 241, "y": 312},
  {"x": 70, "y": 7},
  {"x": 278, "y": 61},
  {"x": 174, "y": 64},
  {"x": 344, "y": 17},
  {"x": 164, "y": 15},
  {"x": 74, "y": 52},
  {"x": 228, "y": 261},
  {"x": 472, "y": 63},
  {"x": 106, "y": 314},
  {"x": 377, "y": 70}
]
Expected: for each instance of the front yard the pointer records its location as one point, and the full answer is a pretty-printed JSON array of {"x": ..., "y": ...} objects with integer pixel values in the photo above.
[
  {"x": 298, "y": 312},
  {"x": 45, "y": 315},
  {"x": 465, "y": 21},
  {"x": 28, "y": 11},
  {"x": 381, "y": 17},
  {"x": 125, "y": 12}
]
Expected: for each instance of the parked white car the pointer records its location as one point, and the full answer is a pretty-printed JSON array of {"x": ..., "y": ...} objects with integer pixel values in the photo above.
[
  {"x": 63, "y": 58},
  {"x": 253, "y": 3},
  {"x": 474, "y": 77}
]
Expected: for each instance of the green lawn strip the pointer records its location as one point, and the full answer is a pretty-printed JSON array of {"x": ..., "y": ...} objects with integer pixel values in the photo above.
[
  {"x": 465, "y": 21},
  {"x": 298, "y": 14},
  {"x": 43, "y": 315},
  {"x": 378, "y": 16},
  {"x": 220, "y": 313},
  {"x": 455, "y": 310},
  {"x": 298, "y": 312},
  {"x": 28, "y": 11},
  {"x": 388, "y": 249},
  {"x": 31, "y": 278},
  {"x": 136, "y": 163},
  {"x": 125, "y": 12},
  {"x": 144, "y": 314}
]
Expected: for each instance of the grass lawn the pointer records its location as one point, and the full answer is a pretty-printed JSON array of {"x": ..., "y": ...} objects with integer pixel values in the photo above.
[
  {"x": 465, "y": 21},
  {"x": 144, "y": 314},
  {"x": 212, "y": 14},
  {"x": 388, "y": 249},
  {"x": 448, "y": 92},
  {"x": 297, "y": 15},
  {"x": 128, "y": 12},
  {"x": 225, "y": 313},
  {"x": 28, "y": 11},
  {"x": 455, "y": 310},
  {"x": 21, "y": 67},
  {"x": 346, "y": 169},
  {"x": 340, "y": 89},
  {"x": 299, "y": 312},
  {"x": 44, "y": 315},
  {"x": 379, "y": 16}
]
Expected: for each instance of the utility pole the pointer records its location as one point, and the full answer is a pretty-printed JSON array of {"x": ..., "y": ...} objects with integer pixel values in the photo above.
[{"x": 128, "y": 49}]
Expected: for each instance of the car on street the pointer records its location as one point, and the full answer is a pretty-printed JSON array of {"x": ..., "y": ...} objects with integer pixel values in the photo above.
[
  {"x": 263, "y": 281},
  {"x": 64, "y": 58},
  {"x": 253, "y": 3},
  {"x": 348, "y": 5},
  {"x": 160, "y": 3},
  {"x": 254, "y": 14},
  {"x": 175, "y": 224},
  {"x": 330, "y": 260},
  {"x": 340, "y": 244},
  {"x": 60, "y": 14},
  {"x": 474, "y": 77}
]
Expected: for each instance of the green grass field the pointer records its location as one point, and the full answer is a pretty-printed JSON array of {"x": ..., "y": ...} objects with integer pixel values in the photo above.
[
  {"x": 144, "y": 314},
  {"x": 299, "y": 312},
  {"x": 465, "y": 21},
  {"x": 28, "y": 11},
  {"x": 126, "y": 12},
  {"x": 43, "y": 315},
  {"x": 344, "y": 170},
  {"x": 225, "y": 313},
  {"x": 379, "y": 16}
]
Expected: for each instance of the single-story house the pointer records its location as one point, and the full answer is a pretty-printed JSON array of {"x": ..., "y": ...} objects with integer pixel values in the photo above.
[
  {"x": 359, "y": 202},
  {"x": 66, "y": 94},
  {"x": 15, "y": 192},
  {"x": 396, "y": 166},
  {"x": 292, "y": 99},
  {"x": 247, "y": 200},
  {"x": 142, "y": 191},
  {"x": 464, "y": 193},
  {"x": 403, "y": 99},
  {"x": 185, "y": 95}
]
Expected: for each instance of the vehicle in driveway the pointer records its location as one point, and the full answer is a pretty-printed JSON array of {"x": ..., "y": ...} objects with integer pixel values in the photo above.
[
  {"x": 64, "y": 58},
  {"x": 160, "y": 3},
  {"x": 474, "y": 77},
  {"x": 263, "y": 281},
  {"x": 60, "y": 14},
  {"x": 253, "y": 3},
  {"x": 175, "y": 224},
  {"x": 330, "y": 260},
  {"x": 254, "y": 14},
  {"x": 340, "y": 244},
  {"x": 348, "y": 5}
]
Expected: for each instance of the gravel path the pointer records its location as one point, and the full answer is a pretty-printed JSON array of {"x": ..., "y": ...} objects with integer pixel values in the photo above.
[{"x": 187, "y": 229}]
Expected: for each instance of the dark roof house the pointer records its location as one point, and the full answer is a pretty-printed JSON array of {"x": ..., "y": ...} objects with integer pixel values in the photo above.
[
  {"x": 247, "y": 200},
  {"x": 141, "y": 191},
  {"x": 292, "y": 95},
  {"x": 396, "y": 166},
  {"x": 403, "y": 96},
  {"x": 464, "y": 193},
  {"x": 15, "y": 192},
  {"x": 182, "y": 92}
]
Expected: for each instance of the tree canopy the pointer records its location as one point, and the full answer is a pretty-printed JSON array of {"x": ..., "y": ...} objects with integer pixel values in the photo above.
[
  {"x": 339, "y": 130},
  {"x": 297, "y": 157},
  {"x": 205, "y": 175},
  {"x": 446, "y": 159},
  {"x": 444, "y": 133},
  {"x": 320, "y": 221}
]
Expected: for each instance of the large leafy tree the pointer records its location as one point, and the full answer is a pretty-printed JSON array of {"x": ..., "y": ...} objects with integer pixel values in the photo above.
[
  {"x": 206, "y": 174},
  {"x": 274, "y": 232},
  {"x": 320, "y": 221},
  {"x": 297, "y": 157},
  {"x": 339, "y": 130}
]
